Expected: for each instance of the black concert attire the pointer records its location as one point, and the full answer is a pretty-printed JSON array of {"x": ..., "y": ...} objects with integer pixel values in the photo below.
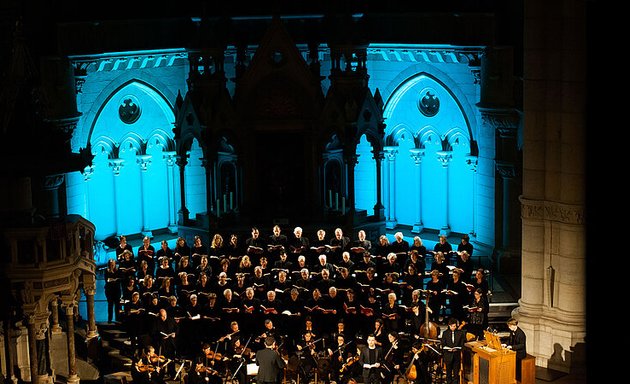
[
  {"x": 359, "y": 247},
  {"x": 318, "y": 247},
  {"x": 392, "y": 315},
  {"x": 164, "y": 252},
  {"x": 483, "y": 284},
  {"x": 339, "y": 245},
  {"x": 120, "y": 249},
  {"x": 307, "y": 353},
  {"x": 274, "y": 245},
  {"x": 393, "y": 361},
  {"x": 134, "y": 321},
  {"x": 452, "y": 344},
  {"x": 517, "y": 341},
  {"x": 181, "y": 250},
  {"x": 457, "y": 301},
  {"x": 165, "y": 336},
  {"x": 419, "y": 262},
  {"x": 113, "y": 293},
  {"x": 468, "y": 268},
  {"x": 369, "y": 357},
  {"x": 400, "y": 248},
  {"x": 270, "y": 366},
  {"x": 147, "y": 253},
  {"x": 255, "y": 248},
  {"x": 298, "y": 246},
  {"x": 446, "y": 249},
  {"x": 477, "y": 320},
  {"x": 196, "y": 251},
  {"x": 468, "y": 247}
]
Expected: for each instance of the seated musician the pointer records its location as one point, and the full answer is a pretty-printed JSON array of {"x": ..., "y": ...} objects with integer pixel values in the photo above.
[
  {"x": 393, "y": 359},
  {"x": 341, "y": 358},
  {"x": 240, "y": 355},
  {"x": 202, "y": 374},
  {"x": 307, "y": 352},
  {"x": 149, "y": 369}
]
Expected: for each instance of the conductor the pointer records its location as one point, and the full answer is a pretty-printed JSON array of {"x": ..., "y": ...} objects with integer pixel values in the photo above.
[{"x": 270, "y": 364}]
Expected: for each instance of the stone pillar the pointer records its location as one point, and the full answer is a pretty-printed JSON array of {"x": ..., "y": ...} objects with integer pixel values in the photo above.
[
  {"x": 444, "y": 157},
  {"x": 54, "y": 309},
  {"x": 379, "y": 209},
  {"x": 70, "y": 306},
  {"x": 390, "y": 186},
  {"x": 51, "y": 188},
  {"x": 472, "y": 162},
  {"x": 552, "y": 307},
  {"x": 351, "y": 161},
  {"x": 38, "y": 360},
  {"x": 143, "y": 162},
  {"x": 89, "y": 287},
  {"x": 183, "y": 212},
  {"x": 9, "y": 353},
  {"x": 171, "y": 158},
  {"x": 417, "y": 155},
  {"x": 116, "y": 165}
]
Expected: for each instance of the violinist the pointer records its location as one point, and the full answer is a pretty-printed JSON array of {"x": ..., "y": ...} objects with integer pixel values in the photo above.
[
  {"x": 149, "y": 368},
  {"x": 307, "y": 352},
  {"x": 203, "y": 374},
  {"x": 393, "y": 359},
  {"x": 241, "y": 356},
  {"x": 341, "y": 359},
  {"x": 212, "y": 360}
]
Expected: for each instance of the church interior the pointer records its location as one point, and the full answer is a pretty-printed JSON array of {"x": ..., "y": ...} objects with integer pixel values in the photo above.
[{"x": 201, "y": 121}]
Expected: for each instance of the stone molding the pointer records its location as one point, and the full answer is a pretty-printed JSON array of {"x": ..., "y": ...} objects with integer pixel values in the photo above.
[{"x": 552, "y": 211}]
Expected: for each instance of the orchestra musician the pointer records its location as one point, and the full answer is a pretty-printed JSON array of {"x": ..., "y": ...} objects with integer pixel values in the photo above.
[
  {"x": 149, "y": 368},
  {"x": 241, "y": 355},
  {"x": 307, "y": 351},
  {"x": 393, "y": 359}
]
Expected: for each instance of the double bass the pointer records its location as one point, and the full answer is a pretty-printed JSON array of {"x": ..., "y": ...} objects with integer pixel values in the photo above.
[{"x": 429, "y": 329}]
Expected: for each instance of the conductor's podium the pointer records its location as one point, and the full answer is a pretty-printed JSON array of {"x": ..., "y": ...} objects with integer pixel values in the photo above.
[{"x": 486, "y": 365}]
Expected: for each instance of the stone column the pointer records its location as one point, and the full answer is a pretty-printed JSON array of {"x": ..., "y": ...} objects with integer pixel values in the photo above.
[
  {"x": 473, "y": 162},
  {"x": 116, "y": 165},
  {"x": 54, "y": 309},
  {"x": 143, "y": 162},
  {"x": 170, "y": 159},
  {"x": 390, "y": 186},
  {"x": 552, "y": 307},
  {"x": 69, "y": 306},
  {"x": 38, "y": 359},
  {"x": 379, "y": 209},
  {"x": 183, "y": 212},
  {"x": 89, "y": 287},
  {"x": 417, "y": 155},
  {"x": 444, "y": 157},
  {"x": 51, "y": 187},
  {"x": 351, "y": 161}
]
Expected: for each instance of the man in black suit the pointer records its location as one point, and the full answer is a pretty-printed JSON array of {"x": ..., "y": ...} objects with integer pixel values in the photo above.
[
  {"x": 370, "y": 360},
  {"x": 516, "y": 342},
  {"x": 270, "y": 364},
  {"x": 453, "y": 340}
]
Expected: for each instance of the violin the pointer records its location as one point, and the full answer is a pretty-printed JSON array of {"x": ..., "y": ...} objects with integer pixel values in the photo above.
[
  {"x": 204, "y": 369},
  {"x": 157, "y": 359},
  {"x": 211, "y": 355},
  {"x": 142, "y": 367}
]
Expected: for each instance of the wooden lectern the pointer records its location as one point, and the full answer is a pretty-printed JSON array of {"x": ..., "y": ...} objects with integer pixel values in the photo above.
[{"x": 484, "y": 363}]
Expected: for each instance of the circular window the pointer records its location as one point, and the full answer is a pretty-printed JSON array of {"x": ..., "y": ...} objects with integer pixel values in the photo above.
[
  {"x": 129, "y": 109},
  {"x": 429, "y": 103}
]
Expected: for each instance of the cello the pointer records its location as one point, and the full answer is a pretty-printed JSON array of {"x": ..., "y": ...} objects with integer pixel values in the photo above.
[{"x": 429, "y": 329}]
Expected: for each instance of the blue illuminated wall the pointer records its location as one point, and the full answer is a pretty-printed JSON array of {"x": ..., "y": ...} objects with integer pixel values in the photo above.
[{"x": 437, "y": 164}]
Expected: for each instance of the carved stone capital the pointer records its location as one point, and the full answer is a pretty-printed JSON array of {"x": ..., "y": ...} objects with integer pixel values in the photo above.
[
  {"x": 53, "y": 182},
  {"x": 552, "y": 211},
  {"x": 116, "y": 165},
  {"x": 416, "y": 155},
  {"x": 144, "y": 161},
  {"x": 505, "y": 120},
  {"x": 472, "y": 162},
  {"x": 390, "y": 153},
  {"x": 170, "y": 158},
  {"x": 88, "y": 172},
  {"x": 444, "y": 157},
  {"x": 507, "y": 170}
]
